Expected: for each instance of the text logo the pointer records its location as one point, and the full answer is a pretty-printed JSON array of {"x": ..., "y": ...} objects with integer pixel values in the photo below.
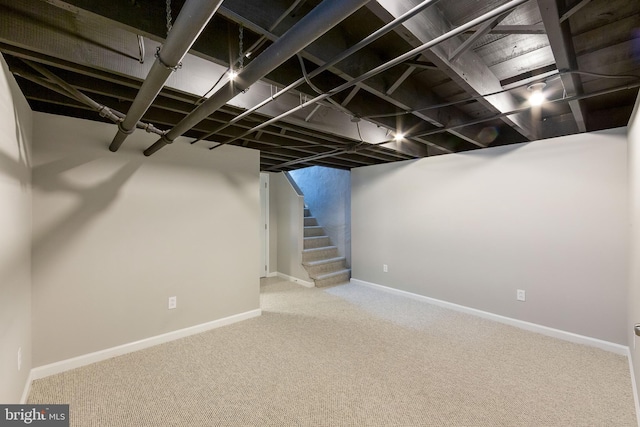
[{"x": 34, "y": 415}]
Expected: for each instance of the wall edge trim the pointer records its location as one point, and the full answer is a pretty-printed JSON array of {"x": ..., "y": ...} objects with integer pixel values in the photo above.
[
  {"x": 634, "y": 385},
  {"x": 27, "y": 388},
  {"x": 532, "y": 327},
  {"x": 98, "y": 356}
]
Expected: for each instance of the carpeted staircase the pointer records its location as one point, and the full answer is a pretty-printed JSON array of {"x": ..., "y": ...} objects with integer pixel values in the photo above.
[{"x": 319, "y": 257}]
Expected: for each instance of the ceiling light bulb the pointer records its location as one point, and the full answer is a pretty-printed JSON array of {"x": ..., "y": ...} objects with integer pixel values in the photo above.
[
  {"x": 232, "y": 75},
  {"x": 536, "y": 98},
  {"x": 398, "y": 137}
]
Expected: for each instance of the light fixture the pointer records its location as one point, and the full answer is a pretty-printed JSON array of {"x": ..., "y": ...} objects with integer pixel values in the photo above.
[
  {"x": 233, "y": 74},
  {"x": 537, "y": 97},
  {"x": 398, "y": 136}
]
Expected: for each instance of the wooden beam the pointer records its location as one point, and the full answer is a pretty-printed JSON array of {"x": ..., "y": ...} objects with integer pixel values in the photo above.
[
  {"x": 469, "y": 71},
  {"x": 516, "y": 29},
  {"x": 559, "y": 35},
  {"x": 401, "y": 79},
  {"x": 480, "y": 32},
  {"x": 349, "y": 97},
  {"x": 573, "y": 10}
]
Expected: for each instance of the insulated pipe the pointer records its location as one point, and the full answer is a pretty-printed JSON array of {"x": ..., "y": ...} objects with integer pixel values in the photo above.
[
  {"x": 317, "y": 22},
  {"x": 345, "y": 54},
  {"x": 392, "y": 63},
  {"x": 193, "y": 18}
]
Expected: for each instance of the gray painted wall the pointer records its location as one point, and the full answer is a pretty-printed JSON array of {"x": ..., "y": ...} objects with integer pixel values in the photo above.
[
  {"x": 549, "y": 217},
  {"x": 634, "y": 247},
  {"x": 327, "y": 192},
  {"x": 117, "y": 234},
  {"x": 15, "y": 243},
  {"x": 289, "y": 211}
]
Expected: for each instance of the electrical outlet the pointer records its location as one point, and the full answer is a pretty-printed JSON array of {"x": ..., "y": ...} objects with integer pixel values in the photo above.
[
  {"x": 19, "y": 358},
  {"x": 385, "y": 268},
  {"x": 520, "y": 295},
  {"x": 173, "y": 302}
]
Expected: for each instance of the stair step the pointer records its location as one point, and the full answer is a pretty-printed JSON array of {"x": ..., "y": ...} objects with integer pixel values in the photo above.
[
  {"x": 314, "y": 230},
  {"x": 324, "y": 261},
  {"x": 316, "y": 242},
  {"x": 325, "y": 266},
  {"x": 307, "y": 212},
  {"x": 322, "y": 252},
  {"x": 310, "y": 221},
  {"x": 335, "y": 278}
]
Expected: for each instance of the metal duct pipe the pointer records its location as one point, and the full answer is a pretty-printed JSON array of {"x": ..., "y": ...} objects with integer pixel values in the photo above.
[
  {"x": 193, "y": 18},
  {"x": 343, "y": 55},
  {"x": 317, "y": 22},
  {"x": 392, "y": 63}
]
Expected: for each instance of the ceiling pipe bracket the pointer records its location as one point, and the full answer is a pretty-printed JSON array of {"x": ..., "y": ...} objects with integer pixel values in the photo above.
[
  {"x": 192, "y": 20},
  {"x": 123, "y": 130},
  {"x": 164, "y": 64}
]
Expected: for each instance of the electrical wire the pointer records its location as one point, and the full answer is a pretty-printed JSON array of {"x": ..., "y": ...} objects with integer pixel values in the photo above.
[
  {"x": 203, "y": 97},
  {"x": 476, "y": 97}
]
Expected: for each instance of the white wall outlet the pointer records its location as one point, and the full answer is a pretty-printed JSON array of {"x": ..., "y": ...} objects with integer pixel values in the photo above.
[
  {"x": 385, "y": 268},
  {"x": 520, "y": 295},
  {"x": 19, "y": 358},
  {"x": 173, "y": 302}
]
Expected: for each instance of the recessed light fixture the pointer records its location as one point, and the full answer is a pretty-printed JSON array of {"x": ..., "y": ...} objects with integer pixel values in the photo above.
[
  {"x": 537, "y": 97},
  {"x": 399, "y": 136}
]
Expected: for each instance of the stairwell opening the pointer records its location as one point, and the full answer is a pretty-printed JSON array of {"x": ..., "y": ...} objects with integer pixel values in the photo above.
[{"x": 326, "y": 253}]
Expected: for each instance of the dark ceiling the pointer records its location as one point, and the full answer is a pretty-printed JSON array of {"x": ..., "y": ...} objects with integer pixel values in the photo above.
[{"x": 454, "y": 77}]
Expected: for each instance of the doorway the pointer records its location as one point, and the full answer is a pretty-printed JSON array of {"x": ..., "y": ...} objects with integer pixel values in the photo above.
[{"x": 264, "y": 224}]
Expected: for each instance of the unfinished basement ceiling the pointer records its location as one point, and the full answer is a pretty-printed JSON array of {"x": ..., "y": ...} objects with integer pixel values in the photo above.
[{"x": 454, "y": 77}]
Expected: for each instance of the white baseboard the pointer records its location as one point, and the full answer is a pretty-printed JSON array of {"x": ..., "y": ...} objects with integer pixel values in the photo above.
[
  {"x": 87, "y": 359},
  {"x": 634, "y": 385},
  {"x": 296, "y": 280},
  {"x": 272, "y": 274},
  {"x": 533, "y": 327}
]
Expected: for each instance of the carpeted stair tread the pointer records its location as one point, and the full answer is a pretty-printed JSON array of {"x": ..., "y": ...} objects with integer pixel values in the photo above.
[
  {"x": 322, "y": 248},
  {"x": 324, "y": 261},
  {"x": 333, "y": 274},
  {"x": 316, "y": 242},
  {"x": 314, "y": 230},
  {"x": 322, "y": 252}
]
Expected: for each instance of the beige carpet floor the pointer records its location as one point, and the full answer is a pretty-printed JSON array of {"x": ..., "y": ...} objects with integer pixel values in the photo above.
[{"x": 351, "y": 356}]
